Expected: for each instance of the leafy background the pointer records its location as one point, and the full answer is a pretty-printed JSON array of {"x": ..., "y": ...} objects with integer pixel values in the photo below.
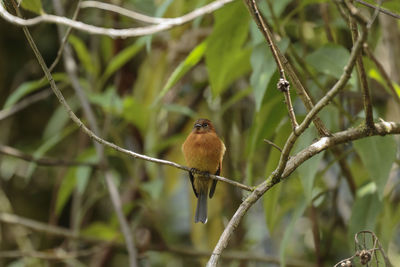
[{"x": 147, "y": 91}]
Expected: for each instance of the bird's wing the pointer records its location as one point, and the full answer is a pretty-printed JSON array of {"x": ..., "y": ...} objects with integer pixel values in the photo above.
[
  {"x": 214, "y": 182},
  {"x": 192, "y": 182}
]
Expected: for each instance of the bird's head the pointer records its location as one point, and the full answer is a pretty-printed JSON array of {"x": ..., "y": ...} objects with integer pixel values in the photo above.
[{"x": 203, "y": 126}]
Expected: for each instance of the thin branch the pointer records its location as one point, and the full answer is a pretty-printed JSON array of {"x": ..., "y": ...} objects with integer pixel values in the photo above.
[
  {"x": 367, "y": 103},
  {"x": 64, "y": 41},
  {"x": 125, "y": 12},
  {"x": 298, "y": 86},
  {"x": 276, "y": 176},
  {"x": 383, "y": 10},
  {"x": 54, "y": 254},
  {"x": 26, "y": 102},
  {"x": 383, "y": 72},
  {"x": 115, "y": 33},
  {"x": 45, "y": 161},
  {"x": 283, "y": 84},
  {"x": 231, "y": 255},
  {"x": 273, "y": 144}
]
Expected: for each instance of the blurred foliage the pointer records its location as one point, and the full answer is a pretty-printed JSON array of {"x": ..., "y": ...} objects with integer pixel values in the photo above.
[{"x": 147, "y": 92}]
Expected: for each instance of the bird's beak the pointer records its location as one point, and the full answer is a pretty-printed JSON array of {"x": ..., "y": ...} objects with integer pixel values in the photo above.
[{"x": 197, "y": 126}]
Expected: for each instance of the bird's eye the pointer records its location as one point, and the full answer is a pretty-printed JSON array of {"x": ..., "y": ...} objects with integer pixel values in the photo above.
[{"x": 205, "y": 124}]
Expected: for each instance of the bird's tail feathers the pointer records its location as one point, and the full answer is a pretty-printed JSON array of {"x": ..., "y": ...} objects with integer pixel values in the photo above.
[{"x": 201, "y": 210}]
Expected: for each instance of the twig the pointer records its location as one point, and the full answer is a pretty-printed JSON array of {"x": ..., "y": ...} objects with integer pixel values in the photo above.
[
  {"x": 54, "y": 254},
  {"x": 383, "y": 10},
  {"x": 273, "y": 144},
  {"x": 276, "y": 176},
  {"x": 231, "y": 255},
  {"x": 26, "y": 102},
  {"x": 367, "y": 103},
  {"x": 64, "y": 41},
  {"x": 383, "y": 72},
  {"x": 283, "y": 84},
  {"x": 115, "y": 33},
  {"x": 10, "y": 151},
  {"x": 125, "y": 12},
  {"x": 298, "y": 86},
  {"x": 71, "y": 69}
]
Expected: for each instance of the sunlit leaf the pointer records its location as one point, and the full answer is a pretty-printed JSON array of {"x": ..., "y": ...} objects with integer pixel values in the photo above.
[
  {"x": 29, "y": 87},
  {"x": 34, "y": 6},
  {"x": 135, "y": 112},
  {"x": 226, "y": 58},
  {"x": 83, "y": 54},
  {"x": 101, "y": 230},
  {"x": 192, "y": 59},
  {"x": 122, "y": 58},
  {"x": 377, "y": 154}
]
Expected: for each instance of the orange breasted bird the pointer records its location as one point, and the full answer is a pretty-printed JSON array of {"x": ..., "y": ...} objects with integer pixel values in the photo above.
[{"x": 203, "y": 150}]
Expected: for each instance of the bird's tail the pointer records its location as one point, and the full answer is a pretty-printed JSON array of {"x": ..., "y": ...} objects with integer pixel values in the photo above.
[{"x": 201, "y": 210}]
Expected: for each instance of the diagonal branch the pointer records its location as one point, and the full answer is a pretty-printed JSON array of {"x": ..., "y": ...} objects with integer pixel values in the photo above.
[
  {"x": 120, "y": 33},
  {"x": 283, "y": 84}
]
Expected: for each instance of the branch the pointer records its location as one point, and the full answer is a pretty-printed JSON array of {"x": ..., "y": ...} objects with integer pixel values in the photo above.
[
  {"x": 231, "y": 255},
  {"x": 115, "y": 33},
  {"x": 283, "y": 85},
  {"x": 384, "y": 11},
  {"x": 54, "y": 254},
  {"x": 10, "y": 151},
  {"x": 276, "y": 176},
  {"x": 367, "y": 103}
]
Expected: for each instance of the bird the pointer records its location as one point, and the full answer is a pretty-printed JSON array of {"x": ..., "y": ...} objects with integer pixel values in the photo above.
[{"x": 203, "y": 150}]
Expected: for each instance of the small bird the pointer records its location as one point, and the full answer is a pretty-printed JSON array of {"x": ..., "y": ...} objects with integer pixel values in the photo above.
[{"x": 203, "y": 150}]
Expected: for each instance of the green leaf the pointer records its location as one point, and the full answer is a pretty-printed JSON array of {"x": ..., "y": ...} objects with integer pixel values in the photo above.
[
  {"x": 374, "y": 74},
  {"x": 377, "y": 154},
  {"x": 122, "y": 58},
  {"x": 299, "y": 210},
  {"x": 329, "y": 59},
  {"x": 101, "y": 230},
  {"x": 34, "y": 6},
  {"x": 76, "y": 177},
  {"x": 46, "y": 146},
  {"x": 226, "y": 59},
  {"x": 59, "y": 118},
  {"x": 192, "y": 59},
  {"x": 136, "y": 112},
  {"x": 180, "y": 109},
  {"x": 264, "y": 66},
  {"x": 29, "y": 87},
  {"x": 366, "y": 208},
  {"x": 83, "y": 54},
  {"x": 108, "y": 100}
]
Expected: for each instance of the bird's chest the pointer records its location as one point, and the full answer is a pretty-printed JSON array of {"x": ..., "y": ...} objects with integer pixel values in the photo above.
[{"x": 203, "y": 152}]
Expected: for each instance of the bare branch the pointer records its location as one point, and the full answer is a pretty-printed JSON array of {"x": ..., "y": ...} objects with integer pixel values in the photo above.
[
  {"x": 115, "y": 33},
  {"x": 54, "y": 254},
  {"x": 369, "y": 119},
  {"x": 273, "y": 144},
  {"x": 384, "y": 11},
  {"x": 283, "y": 85},
  {"x": 10, "y": 151}
]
